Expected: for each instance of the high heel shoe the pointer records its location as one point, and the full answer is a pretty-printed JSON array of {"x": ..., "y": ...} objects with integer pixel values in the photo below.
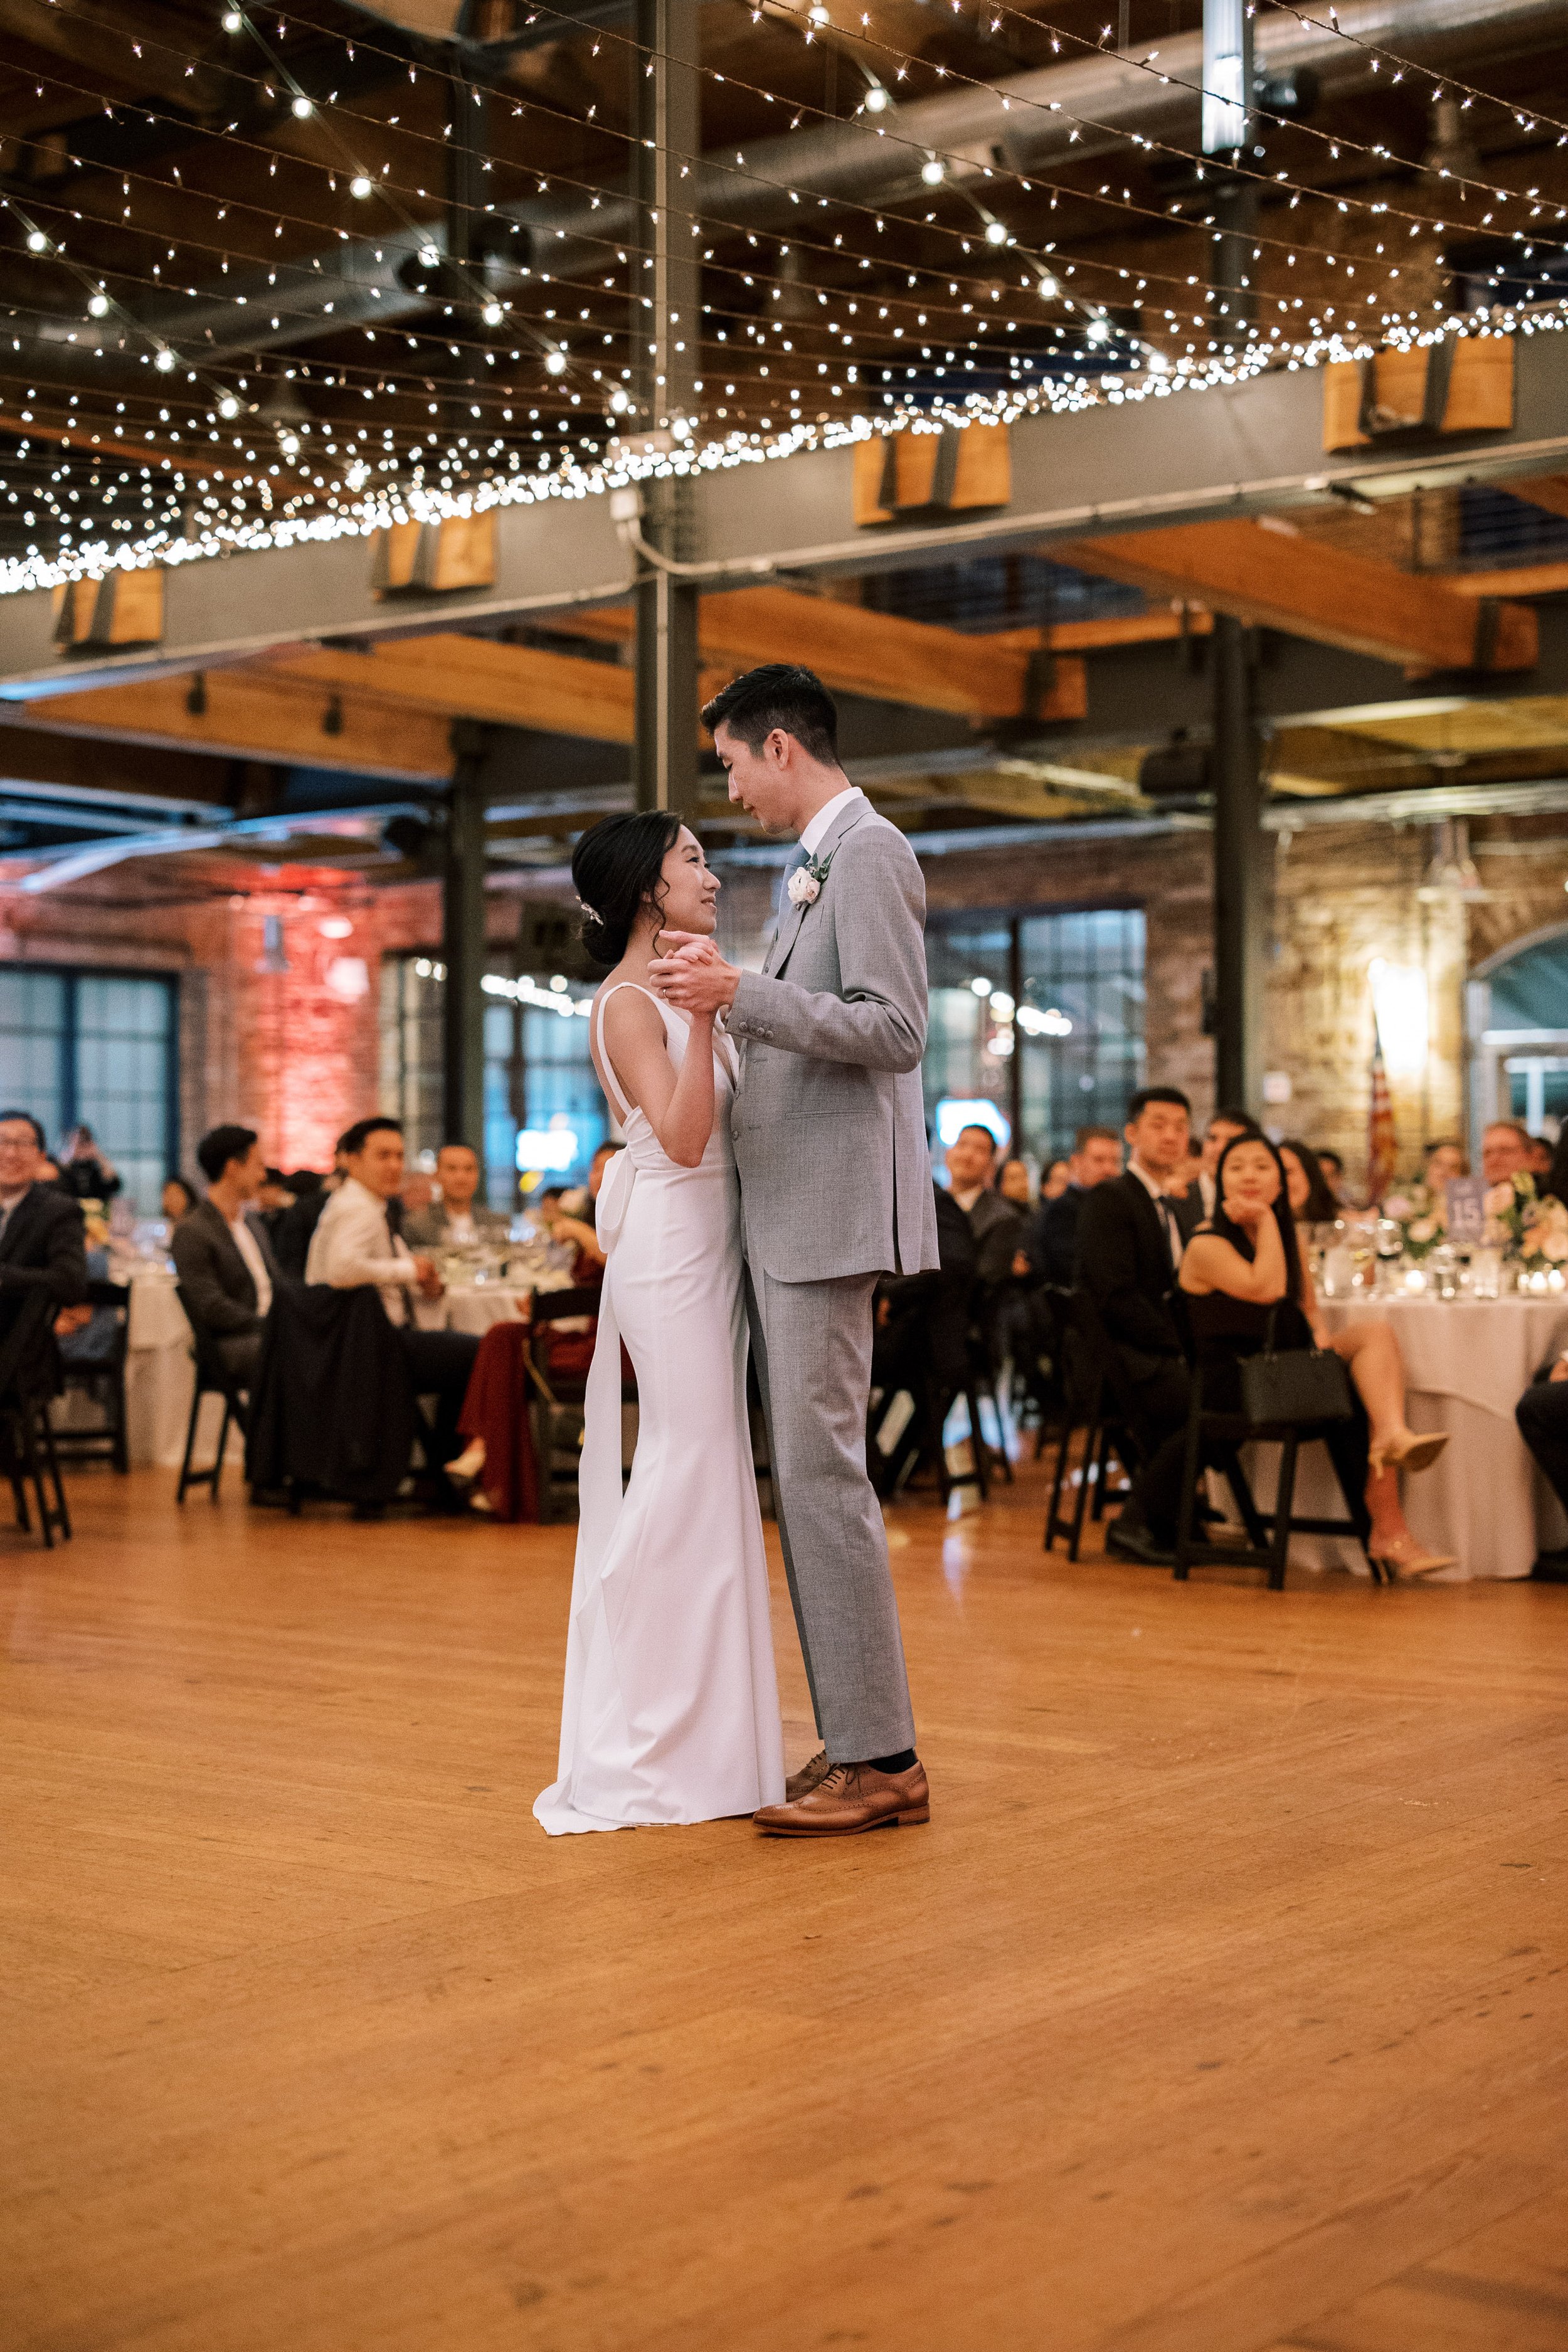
[
  {"x": 1414, "y": 1451},
  {"x": 1406, "y": 1557}
]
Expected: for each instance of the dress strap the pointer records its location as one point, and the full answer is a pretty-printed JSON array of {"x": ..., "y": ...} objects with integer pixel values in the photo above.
[{"x": 622, "y": 1105}]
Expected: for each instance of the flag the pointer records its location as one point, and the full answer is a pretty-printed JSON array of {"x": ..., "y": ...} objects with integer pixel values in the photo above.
[{"x": 1382, "y": 1143}]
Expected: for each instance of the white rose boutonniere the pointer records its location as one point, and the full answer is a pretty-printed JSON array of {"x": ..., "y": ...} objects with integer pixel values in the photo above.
[{"x": 804, "y": 885}]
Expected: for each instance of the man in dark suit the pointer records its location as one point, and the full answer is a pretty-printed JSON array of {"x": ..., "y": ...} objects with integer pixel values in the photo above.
[
  {"x": 1130, "y": 1236},
  {"x": 42, "y": 1242},
  {"x": 221, "y": 1255},
  {"x": 1050, "y": 1241}
]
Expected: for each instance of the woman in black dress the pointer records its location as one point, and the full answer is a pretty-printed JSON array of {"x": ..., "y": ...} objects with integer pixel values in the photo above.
[{"x": 1243, "y": 1271}]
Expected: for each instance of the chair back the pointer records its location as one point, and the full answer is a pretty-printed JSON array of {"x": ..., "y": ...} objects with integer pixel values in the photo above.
[
  {"x": 27, "y": 1358},
  {"x": 211, "y": 1372},
  {"x": 332, "y": 1406}
]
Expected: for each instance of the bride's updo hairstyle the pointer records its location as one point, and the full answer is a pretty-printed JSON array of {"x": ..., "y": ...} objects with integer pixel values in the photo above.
[{"x": 616, "y": 872}]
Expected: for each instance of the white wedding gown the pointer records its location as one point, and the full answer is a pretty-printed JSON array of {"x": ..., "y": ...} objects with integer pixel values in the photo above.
[{"x": 671, "y": 1711}]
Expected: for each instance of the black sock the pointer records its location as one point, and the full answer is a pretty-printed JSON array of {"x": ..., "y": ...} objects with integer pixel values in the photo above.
[{"x": 898, "y": 1763}]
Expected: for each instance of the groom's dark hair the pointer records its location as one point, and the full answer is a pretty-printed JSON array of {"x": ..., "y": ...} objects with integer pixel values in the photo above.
[{"x": 778, "y": 695}]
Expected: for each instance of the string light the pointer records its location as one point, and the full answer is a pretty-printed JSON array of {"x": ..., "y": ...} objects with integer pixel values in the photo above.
[{"x": 946, "y": 333}]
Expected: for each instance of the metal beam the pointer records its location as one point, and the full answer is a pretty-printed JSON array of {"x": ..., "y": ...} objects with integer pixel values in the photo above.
[
  {"x": 463, "y": 940},
  {"x": 664, "y": 66},
  {"x": 1239, "y": 871}
]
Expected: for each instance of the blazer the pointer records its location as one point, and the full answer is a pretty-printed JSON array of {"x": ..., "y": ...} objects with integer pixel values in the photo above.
[
  {"x": 218, "y": 1290},
  {"x": 43, "y": 1247},
  {"x": 829, "y": 1112},
  {"x": 428, "y": 1229},
  {"x": 1124, "y": 1263}
]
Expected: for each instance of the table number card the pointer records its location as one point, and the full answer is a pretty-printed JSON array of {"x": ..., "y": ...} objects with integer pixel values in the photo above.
[{"x": 1467, "y": 1209}]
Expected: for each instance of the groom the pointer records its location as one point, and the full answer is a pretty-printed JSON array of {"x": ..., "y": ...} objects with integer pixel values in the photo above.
[{"x": 830, "y": 1143}]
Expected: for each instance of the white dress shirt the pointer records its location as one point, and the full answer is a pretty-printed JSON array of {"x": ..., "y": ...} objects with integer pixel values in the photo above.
[
  {"x": 817, "y": 831},
  {"x": 1161, "y": 1200},
  {"x": 461, "y": 1226},
  {"x": 1206, "y": 1187},
  {"x": 249, "y": 1248},
  {"x": 353, "y": 1244}
]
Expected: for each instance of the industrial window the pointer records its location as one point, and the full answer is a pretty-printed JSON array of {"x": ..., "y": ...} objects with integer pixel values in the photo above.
[
  {"x": 100, "y": 1049},
  {"x": 1040, "y": 1016}
]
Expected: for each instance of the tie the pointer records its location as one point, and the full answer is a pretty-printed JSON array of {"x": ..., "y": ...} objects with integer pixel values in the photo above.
[{"x": 1172, "y": 1234}]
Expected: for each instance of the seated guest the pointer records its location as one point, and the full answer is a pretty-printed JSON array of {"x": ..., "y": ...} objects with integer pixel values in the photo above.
[
  {"x": 1505, "y": 1148},
  {"x": 1050, "y": 1240},
  {"x": 1443, "y": 1163},
  {"x": 1541, "y": 1414},
  {"x": 176, "y": 1201},
  {"x": 415, "y": 1197},
  {"x": 1311, "y": 1202},
  {"x": 1333, "y": 1166},
  {"x": 85, "y": 1172},
  {"x": 353, "y": 1245},
  {"x": 1222, "y": 1128},
  {"x": 994, "y": 1224},
  {"x": 1247, "y": 1287},
  {"x": 1130, "y": 1236},
  {"x": 922, "y": 1320},
  {"x": 1013, "y": 1183},
  {"x": 42, "y": 1241},
  {"x": 456, "y": 1217},
  {"x": 223, "y": 1260}
]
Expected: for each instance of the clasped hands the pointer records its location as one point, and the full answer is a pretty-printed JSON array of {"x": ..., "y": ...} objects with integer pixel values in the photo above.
[{"x": 693, "y": 976}]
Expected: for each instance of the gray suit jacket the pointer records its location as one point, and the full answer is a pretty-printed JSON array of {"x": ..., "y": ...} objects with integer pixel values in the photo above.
[
  {"x": 214, "y": 1281},
  {"x": 829, "y": 1117}
]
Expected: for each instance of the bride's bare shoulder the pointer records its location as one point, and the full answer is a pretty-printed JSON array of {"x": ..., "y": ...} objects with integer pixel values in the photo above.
[{"x": 628, "y": 1009}]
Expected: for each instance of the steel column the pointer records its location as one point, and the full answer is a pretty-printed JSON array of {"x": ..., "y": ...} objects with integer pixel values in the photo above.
[
  {"x": 665, "y": 341},
  {"x": 1239, "y": 869},
  {"x": 463, "y": 941}
]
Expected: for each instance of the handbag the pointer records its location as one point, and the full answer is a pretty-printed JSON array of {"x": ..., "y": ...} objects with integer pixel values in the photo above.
[{"x": 1293, "y": 1385}]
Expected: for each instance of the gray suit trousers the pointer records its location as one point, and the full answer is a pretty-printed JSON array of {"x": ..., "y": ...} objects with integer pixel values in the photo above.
[{"x": 811, "y": 1343}]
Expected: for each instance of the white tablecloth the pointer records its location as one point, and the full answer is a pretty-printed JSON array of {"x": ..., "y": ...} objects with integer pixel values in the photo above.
[
  {"x": 1468, "y": 1361},
  {"x": 474, "y": 1306}
]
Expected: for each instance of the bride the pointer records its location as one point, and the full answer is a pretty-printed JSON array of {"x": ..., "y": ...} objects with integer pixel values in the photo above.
[{"x": 671, "y": 1711}]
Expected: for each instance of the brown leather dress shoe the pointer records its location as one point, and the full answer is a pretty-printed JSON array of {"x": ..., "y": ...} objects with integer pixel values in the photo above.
[
  {"x": 810, "y": 1775},
  {"x": 848, "y": 1798}
]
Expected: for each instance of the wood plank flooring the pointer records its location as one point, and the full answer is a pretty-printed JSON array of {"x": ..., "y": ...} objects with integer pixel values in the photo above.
[{"x": 1222, "y": 2007}]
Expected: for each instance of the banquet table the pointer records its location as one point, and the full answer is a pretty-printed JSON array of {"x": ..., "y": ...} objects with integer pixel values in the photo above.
[
  {"x": 1467, "y": 1363},
  {"x": 475, "y": 1306}
]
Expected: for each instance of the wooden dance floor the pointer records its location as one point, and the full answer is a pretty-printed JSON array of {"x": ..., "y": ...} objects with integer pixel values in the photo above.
[{"x": 1223, "y": 2005}]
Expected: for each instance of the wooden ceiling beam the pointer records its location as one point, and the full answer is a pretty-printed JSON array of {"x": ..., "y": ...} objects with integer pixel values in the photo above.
[
  {"x": 1276, "y": 576},
  {"x": 458, "y": 677},
  {"x": 881, "y": 655},
  {"x": 240, "y": 715}
]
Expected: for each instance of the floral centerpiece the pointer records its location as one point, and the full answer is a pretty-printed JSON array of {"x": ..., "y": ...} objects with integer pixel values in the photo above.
[
  {"x": 1530, "y": 1232},
  {"x": 1422, "y": 1216},
  {"x": 95, "y": 1217}
]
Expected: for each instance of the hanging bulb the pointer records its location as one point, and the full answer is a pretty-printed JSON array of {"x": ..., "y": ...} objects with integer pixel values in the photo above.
[
  {"x": 359, "y": 186},
  {"x": 878, "y": 99},
  {"x": 1098, "y": 331},
  {"x": 994, "y": 233},
  {"x": 302, "y": 109},
  {"x": 228, "y": 406},
  {"x": 36, "y": 241},
  {"x": 232, "y": 22},
  {"x": 932, "y": 171},
  {"x": 164, "y": 362},
  {"x": 555, "y": 363},
  {"x": 428, "y": 257},
  {"x": 619, "y": 402},
  {"x": 1049, "y": 289},
  {"x": 492, "y": 314},
  {"x": 290, "y": 444},
  {"x": 98, "y": 304}
]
